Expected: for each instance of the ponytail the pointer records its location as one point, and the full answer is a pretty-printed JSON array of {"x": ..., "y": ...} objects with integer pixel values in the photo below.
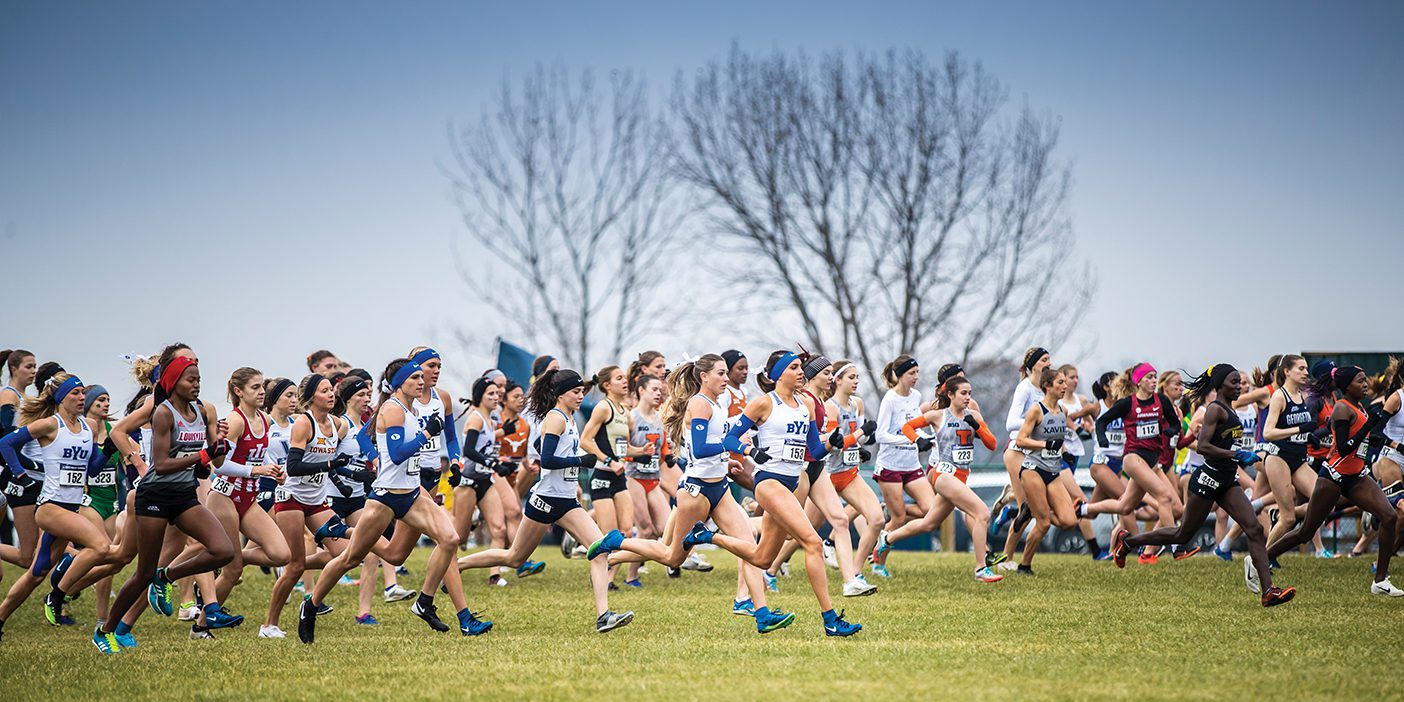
[
  {"x": 540, "y": 397},
  {"x": 1391, "y": 380},
  {"x": 1279, "y": 376},
  {"x": 889, "y": 371},
  {"x": 386, "y": 392},
  {"x": 684, "y": 382},
  {"x": 237, "y": 380},
  {"x": 1265, "y": 377},
  {"x": 42, "y": 405},
  {"x": 763, "y": 378}
]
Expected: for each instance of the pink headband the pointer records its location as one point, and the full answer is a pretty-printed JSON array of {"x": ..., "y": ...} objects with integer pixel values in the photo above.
[{"x": 1141, "y": 371}]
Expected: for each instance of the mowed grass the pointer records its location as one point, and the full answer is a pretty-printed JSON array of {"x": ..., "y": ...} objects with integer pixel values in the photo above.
[{"x": 1078, "y": 630}]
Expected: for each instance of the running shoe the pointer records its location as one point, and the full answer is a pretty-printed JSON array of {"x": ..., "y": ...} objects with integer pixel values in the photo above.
[
  {"x": 986, "y": 575},
  {"x": 1276, "y": 596},
  {"x": 367, "y": 620},
  {"x": 59, "y": 569},
  {"x": 106, "y": 643},
  {"x": 1183, "y": 553},
  {"x": 530, "y": 568},
  {"x": 1226, "y": 556},
  {"x": 307, "y": 621},
  {"x": 188, "y": 612},
  {"x": 324, "y": 608},
  {"x": 1250, "y": 576},
  {"x": 674, "y": 572},
  {"x": 635, "y": 583},
  {"x": 127, "y": 641},
  {"x": 567, "y": 546},
  {"x": 52, "y": 609},
  {"x": 1273, "y": 515},
  {"x": 612, "y": 587},
  {"x": 270, "y": 632},
  {"x": 578, "y": 552},
  {"x": 1006, "y": 513},
  {"x": 858, "y": 587},
  {"x": 346, "y": 580},
  {"x": 1385, "y": 587},
  {"x": 883, "y": 546},
  {"x": 881, "y": 570},
  {"x": 784, "y": 570},
  {"x": 497, "y": 580},
  {"x": 773, "y": 620},
  {"x": 160, "y": 593},
  {"x": 696, "y": 562},
  {"x": 830, "y": 556},
  {"x": 395, "y": 593},
  {"x": 743, "y": 608},
  {"x": 1326, "y": 553},
  {"x": 1102, "y": 555},
  {"x": 698, "y": 535},
  {"x": 834, "y": 625},
  {"x": 1119, "y": 549},
  {"x": 1007, "y": 565},
  {"x": 609, "y": 621},
  {"x": 333, "y": 528},
  {"x": 1148, "y": 558},
  {"x": 605, "y": 544},
  {"x": 1080, "y": 508},
  {"x": 994, "y": 558},
  {"x": 429, "y": 613},
  {"x": 217, "y": 618},
  {"x": 470, "y": 625},
  {"x": 1022, "y": 519},
  {"x": 1024, "y": 570},
  {"x": 771, "y": 583},
  {"x": 200, "y": 633},
  {"x": 1273, "y": 564},
  {"x": 401, "y": 571}
]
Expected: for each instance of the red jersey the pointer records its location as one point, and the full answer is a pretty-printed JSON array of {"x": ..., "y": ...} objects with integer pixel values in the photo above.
[
  {"x": 249, "y": 450},
  {"x": 1353, "y": 464}
]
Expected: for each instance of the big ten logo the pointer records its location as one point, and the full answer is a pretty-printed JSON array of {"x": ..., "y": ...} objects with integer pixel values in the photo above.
[{"x": 75, "y": 453}]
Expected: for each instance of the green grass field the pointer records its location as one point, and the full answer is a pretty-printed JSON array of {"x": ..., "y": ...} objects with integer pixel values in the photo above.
[{"x": 1078, "y": 630}]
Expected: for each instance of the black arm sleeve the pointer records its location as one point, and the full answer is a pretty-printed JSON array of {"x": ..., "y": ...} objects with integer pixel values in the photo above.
[
  {"x": 1113, "y": 413},
  {"x": 1171, "y": 417},
  {"x": 299, "y": 467},
  {"x": 470, "y": 447}
]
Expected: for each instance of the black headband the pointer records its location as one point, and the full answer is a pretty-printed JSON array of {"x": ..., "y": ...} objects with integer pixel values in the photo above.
[
  {"x": 1032, "y": 357},
  {"x": 540, "y": 365},
  {"x": 564, "y": 381},
  {"x": 814, "y": 365},
  {"x": 1344, "y": 375},
  {"x": 1218, "y": 372},
  {"x": 948, "y": 371},
  {"x": 480, "y": 388},
  {"x": 732, "y": 357},
  {"x": 903, "y": 367},
  {"x": 279, "y": 388},
  {"x": 350, "y": 387},
  {"x": 310, "y": 389}
]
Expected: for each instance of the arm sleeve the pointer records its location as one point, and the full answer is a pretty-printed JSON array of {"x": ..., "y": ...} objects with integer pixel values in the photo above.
[
  {"x": 732, "y": 442},
  {"x": 887, "y": 430},
  {"x": 700, "y": 447},
  {"x": 470, "y": 447},
  {"x": 97, "y": 460},
  {"x": 549, "y": 459},
  {"x": 1113, "y": 413},
  {"x": 909, "y": 429},
  {"x": 9, "y": 444},
  {"x": 297, "y": 466},
  {"x": 986, "y": 437},
  {"x": 818, "y": 449},
  {"x": 231, "y": 469},
  {"x": 400, "y": 450},
  {"x": 1018, "y": 407},
  {"x": 1169, "y": 416},
  {"x": 455, "y": 452},
  {"x": 365, "y": 442},
  {"x": 7, "y": 419}
]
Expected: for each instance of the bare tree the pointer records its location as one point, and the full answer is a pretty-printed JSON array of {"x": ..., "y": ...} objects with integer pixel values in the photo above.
[
  {"x": 885, "y": 203},
  {"x": 569, "y": 188}
]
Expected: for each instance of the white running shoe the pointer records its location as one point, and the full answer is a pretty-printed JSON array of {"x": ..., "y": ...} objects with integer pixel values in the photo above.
[
  {"x": 1008, "y": 565},
  {"x": 830, "y": 558},
  {"x": 1250, "y": 576},
  {"x": 395, "y": 593},
  {"x": 568, "y": 545},
  {"x": 580, "y": 552},
  {"x": 696, "y": 562},
  {"x": 270, "y": 632},
  {"x": 1384, "y": 587},
  {"x": 858, "y": 587},
  {"x": 189, "y": 614},
  {"x": 784, "y": 570}
]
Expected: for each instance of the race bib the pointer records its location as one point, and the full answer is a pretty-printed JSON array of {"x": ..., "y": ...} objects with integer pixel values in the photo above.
[
  {"x": 221, "y": 485},
  {"x": 1298, "y": 438},
  {"x": 107, "y": 478},
  {"x": 87, "y": 501},
  {"x": 1244, "y": 443},
  {"x": 538, "y": 503},
  {"x": 650, "y": 467},
  {"x": 1363, "y": 450},
  {"x": 412, "y": 468},
  {"x": 793, "y": 451},
  {"x": 850, "y": 457},
  {"x": 1207, "y": 481},
  {"x": 1050, "y": 454},
  {"x": 621, "y": 448},
  {"x": 691, "y": 488},
  {"x": 599, "y": 483},
  {"x": 945, "y": 468},
  {"x": 572, "y": 473},
  {"x": 431, "y": 447},
  {"x": 1116, "y": 437},
  {"x": 317, "y": 479},
  {"x": 69, "y": 477},
  {"x": 14, "y": 490},
  {"x": 963, "y": 455},
  {"x": 280, "y": 494},
  {"x": 1147, "y": 431}
]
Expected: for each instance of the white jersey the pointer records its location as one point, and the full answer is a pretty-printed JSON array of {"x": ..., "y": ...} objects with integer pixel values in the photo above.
[
  {"x": 647, "y": 430},
  {"x": 351, "y": 447},
  {"x": 784, "y": 437},
  {"x": 279, "y": 437},
  {"x": 1025, "y": 396},
  {"x": 66, "y": 463},
  {"x": 1116, "y": 437},
  {"x": 429, "y": 453},
  {"x": 1394, "y": 428},
  {"x": 487, "y": 442},
  {"x": 711, "y": 467},
  {"x": 895, "y": 452},
  {"x": 321, "y": 449},
  {"x": 1073, "y": 445},
  {"x": 397, "y": 476},
  {"x": 561, "y": 483},
  {"x": 1248, "y": 417}
]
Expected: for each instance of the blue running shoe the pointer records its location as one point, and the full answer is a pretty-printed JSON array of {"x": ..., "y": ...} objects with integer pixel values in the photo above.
[
  {"x": 367, "y": 620},
  {"x": 1103, "y": 555},
  {"x": 127, "y": 641},
  {"x": 634, "y": 584},
  {"x": 530, "y": 568},
  {"x": 161, "y": 593},
  {"x": 882, "y": 544},
  {"x": 605, "y": 544},
  {"x": 700, "y": 534},
  {"x": 217, "y": 618},
  {"x": 324, "y": 608},
  {"x": 881, "y": 570},
  {"x": 470, "y": 625},
  {"x": 743, "y": 608},
  {"x": 333, "y": 528},
  {"x": 346, "y": 580},
  {"x": 771, "y": 583},
  {"x": 1005, "y": 514},
  {"x": 1226, "y": 556},
  {"x": 106, "y": 643},
  {"x": 834, "y": 625},
  {"x": 771, "y": 621},
  {"x": 1273, "y": 564}
]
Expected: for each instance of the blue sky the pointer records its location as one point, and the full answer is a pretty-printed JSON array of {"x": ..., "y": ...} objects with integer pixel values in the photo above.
[{"x": 1231, "y": 161}]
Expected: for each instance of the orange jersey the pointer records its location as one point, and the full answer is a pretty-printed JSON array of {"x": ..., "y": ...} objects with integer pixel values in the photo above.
[
  {"x": 1323, "y": 419},
  {"x": 512, "y": 447},
  {"x": 1355, "y": 462}
]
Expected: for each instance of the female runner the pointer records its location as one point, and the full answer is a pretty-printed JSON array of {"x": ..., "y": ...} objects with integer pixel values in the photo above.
[
  {"x": 472, "y": 490},
  {"x": 104, "y": 493},
  {"x": 644, "y": 472},
  {"x": 1026, "y": 395},
  {"x": 1389, "y": 468},
  {"x": 898, "y": 468},
  {"x": 353, "y": 398},
  {"x": 1041, "y": 437},
  {"x": 23, "y": 497},
  {"x": 851, "y": 420},
  {"x": 1285, "y": 431},
  {"x": 606, "y": 435},
  {"x": 1215, "y": 482}
]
